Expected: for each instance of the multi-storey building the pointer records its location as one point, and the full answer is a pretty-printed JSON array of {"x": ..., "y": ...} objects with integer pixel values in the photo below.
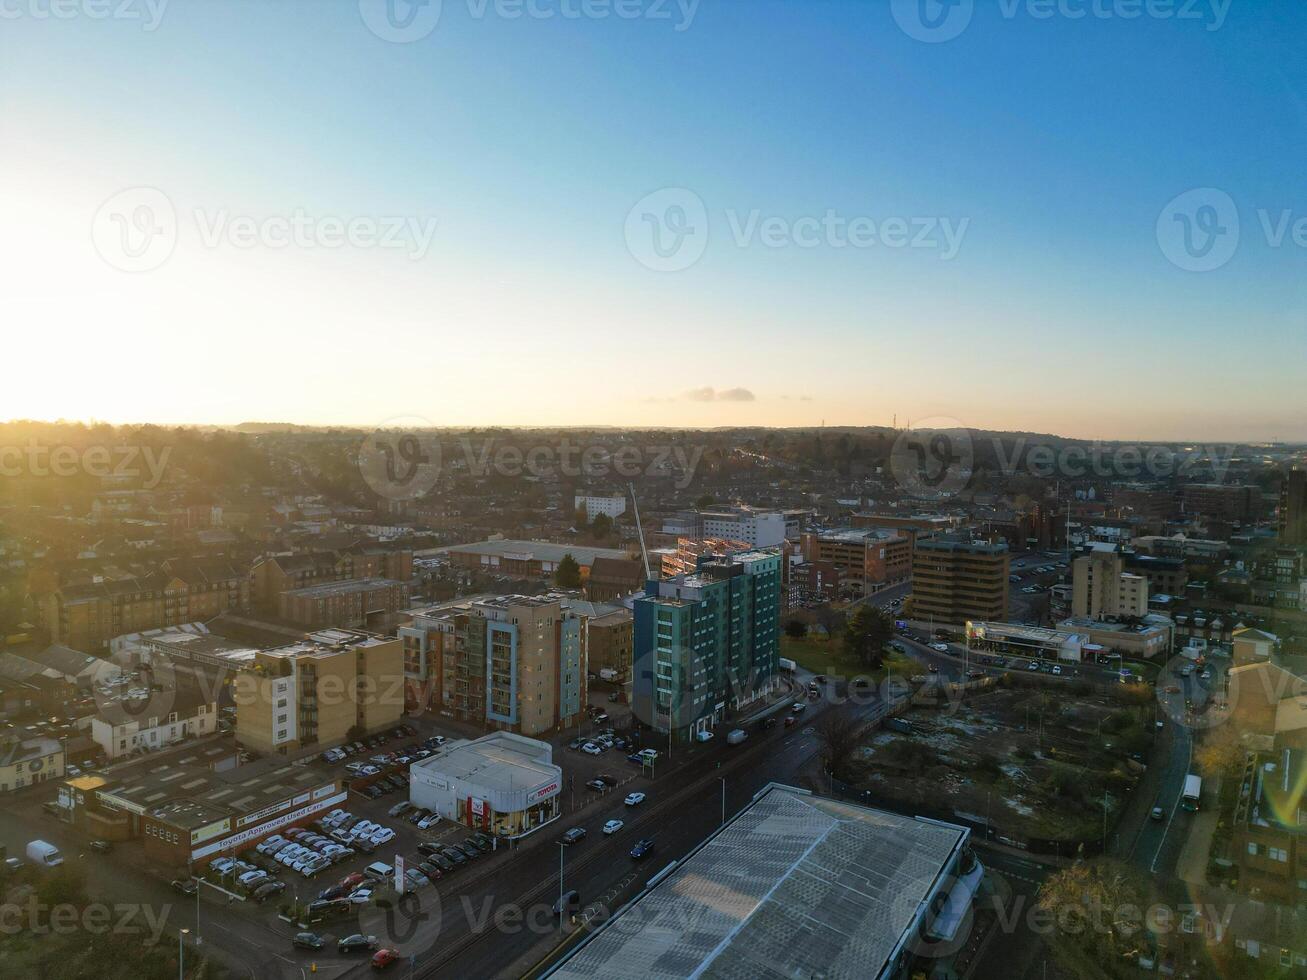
[
  {"x": 515, "y": 663},
  {"x": 612, "y": 578},
  {"x": 867, "y": 559},
  {"x": 1270, "y": 823},
  {"x": 183, "y": 714},
  {"x": 1240, "y": 503},
  {"x": 315, "y": 693},
  {"x": 275, "y": 574},
  {"x": 594, "y": 506},
  {"x": 1292, "y": 517},
  {"x": 611, "y": 638},
  {"x": 918, "y": 525},
  {"x": 358, "y": 603},
  {"x": 757, "y": 528},
  {"x": 1102, "y": 588},
  {"x": 708, "y": 642},
  {"x": 86, "y": 617},
  {"x": 956, "y": 579}
]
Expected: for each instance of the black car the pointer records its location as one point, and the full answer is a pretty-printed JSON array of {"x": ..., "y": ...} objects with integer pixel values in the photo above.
[
  {"x": 308, "y": 940},
  {"x": 371, "y": 792},
  {"x": 185, "y": 886},
  {"x": 568, "y": 904},
  {"x": 335, "y": 891},
  {"x": 431, "y": 870},
  {"x": 442, "y": 862},
  {"x": 469, "y": 851},
  {"x": 355, "y": 943},
  {"x": 572, "y": 836},
  {"x": 103, "y": 846},
  {"x": 429, "y": 849},
  {"x": 266, "y": 890},
  {"x": 642, "y": 849},
  {"x": 457, "y": 856},
  {"x": 481, "y": 842}
]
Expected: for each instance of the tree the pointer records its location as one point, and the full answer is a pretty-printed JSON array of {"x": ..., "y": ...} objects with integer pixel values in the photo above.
[
  {"x": 1220, "y": 753},
  {"x": 796, "y": 629},
  {"x": 602, "y": 526},
  {"x": 568, "y": 573},
  {"x": 705, "y": 501},
  {"x": 581, "y": 518},
  {"x": 1097, "y": 907},
  {"x": 866, "y": 634},
  {"x": 837, "y": 738}
]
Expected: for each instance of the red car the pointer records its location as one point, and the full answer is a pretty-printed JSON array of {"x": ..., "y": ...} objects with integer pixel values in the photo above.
[
  {"x": 382, "y": 958},
  {"x": 350, "y": 882}
]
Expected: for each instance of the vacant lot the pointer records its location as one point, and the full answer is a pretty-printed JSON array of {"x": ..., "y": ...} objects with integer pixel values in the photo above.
[
  {"x": 827, "y": 656},
  {"x": 1033, "y": 763}
]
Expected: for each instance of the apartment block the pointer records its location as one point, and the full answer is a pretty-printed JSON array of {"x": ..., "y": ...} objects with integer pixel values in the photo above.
[
  {"x": 1102, "y": 588},
  {"x": 866, "y": 559},
  {"x": 1292, "y": 517},
  {"x": 708, "y": 642},
  {"x": 1270, "y": 824},
  {"x": 1239, "y": 503},
  {"x": 514, "y": 663},
  {"x": 757, "y": 528},
  {"x": 275, "y": 574},
  {"x": 314, "y": 693},
  {"x": 956, "y": 579},
  {"x": 611, "y": 642},
  {"x": 357, "y": 603},
  {"x": 594, "y": 506}
]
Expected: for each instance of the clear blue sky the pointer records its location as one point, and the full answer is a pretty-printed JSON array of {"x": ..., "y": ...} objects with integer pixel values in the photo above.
[{"x": 1059, "y": 141}]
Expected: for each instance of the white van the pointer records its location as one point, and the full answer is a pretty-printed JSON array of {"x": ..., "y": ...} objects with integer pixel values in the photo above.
[
  {"x": 380, "y": 871},
  {"x": 44, "y": 854}
]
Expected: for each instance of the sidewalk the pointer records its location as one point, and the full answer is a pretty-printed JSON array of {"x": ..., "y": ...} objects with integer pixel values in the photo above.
[{"x": 1192, "y": 864}]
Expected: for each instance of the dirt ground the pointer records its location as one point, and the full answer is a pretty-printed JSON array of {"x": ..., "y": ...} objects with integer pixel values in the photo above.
[{"x": 1032, "y": 763}]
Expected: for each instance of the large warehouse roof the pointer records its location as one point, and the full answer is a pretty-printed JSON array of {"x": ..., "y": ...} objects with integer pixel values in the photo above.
[{"x": 794, "y": 886}]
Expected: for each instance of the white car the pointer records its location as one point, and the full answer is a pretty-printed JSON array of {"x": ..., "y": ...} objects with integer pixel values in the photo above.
[
  {"x": 383, "y": 836},
  {"x": 613, "y": 826},
  {"x": 589, "y": 748},
  {"x": 428, "y": 822},
  {"x": 648, "y": 753},
  {"x": 249, "y": 877},
  {"x": 1057, "y": 669},
  {"x": 634, "y": 799},
  {"x": 941, "y": 647},
  {"x": 222, "y": 865},
  {"x": 361, "y": 897}
]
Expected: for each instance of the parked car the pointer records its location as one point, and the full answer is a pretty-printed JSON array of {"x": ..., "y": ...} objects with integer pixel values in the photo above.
[
  {"x": 356, "y": 942},
  {"x": 102, "y": 846},
  {"x": 483, "y": 843},
  {"x": 266, "y": 890},
  {"x": 308, "y": 940},
  {"x": 598, "y": 785},
  {"x": 457, "y": 857},
  {"x": 401, "y": 808},
  {"x": 590, "y": 748},
  {"x": 184, "y": 886}
]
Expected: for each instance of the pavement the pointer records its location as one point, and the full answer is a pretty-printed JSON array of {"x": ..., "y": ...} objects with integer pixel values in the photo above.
[{"x": 1192, "y": 864}]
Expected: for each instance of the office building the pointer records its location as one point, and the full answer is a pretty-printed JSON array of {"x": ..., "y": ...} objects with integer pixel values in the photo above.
[
  {"x": 1235, "y": 503},
  {"x": 914, "y": 526},
  {"x": 708, "y": 642},
  {"x": 502, "y": 784},
  {"x": 326, "y": 689},
  {"x": 1292, "y": 517},
  {"x": 757, "y": 528},
  {"x": 796, "y": 885},
  {"x": 1102, "y": 588},
  {"x": 958, "y": 579},
  {"x": 866, "y": 559}
]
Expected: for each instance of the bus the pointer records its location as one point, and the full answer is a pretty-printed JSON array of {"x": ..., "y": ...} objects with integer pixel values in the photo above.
[
  {"x": 1193, "y": 787},
  {"x": 786, "y": 665}
]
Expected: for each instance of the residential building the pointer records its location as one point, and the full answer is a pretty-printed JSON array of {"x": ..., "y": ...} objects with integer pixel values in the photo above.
[
  {"x": 1236, "y": 503},
  {"x": 613, "y": 578},
  {"x": 124, "y": 728},
  {"x": 1165, "y": 576},
  {"x": 762, "y": 895},
  {"x": 1181, "y": 546},
  {"x": 956, "y": 579},
  {"x": 612, "y": 642},
  {"x": 275, "y": 574},
  {"x": 516, "y": 663},
  {"x": 594, "y": 506},
  {"x": 354, "y": 603},
  {"x": 915, "y": 526},
  {"x": 1270, "y": 825},
  {"x": 757, "y": 528},
  {"x": 26, "y": 762},
  {"x": 1102, "y": 588},
  {"x": 319, "y": 692},
  {"x": 1292, "y": 516},
  {"x": 503, "y": 784},
  {"x": 867, "y": 559},
  {"x": 524, "y": 559},
  {"x": 707, "y": 643}
]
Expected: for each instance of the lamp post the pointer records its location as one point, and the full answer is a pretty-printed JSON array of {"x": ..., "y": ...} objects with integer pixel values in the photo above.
[
  {"x": 561, "y": 910},
  {"x": 723, "y": 801},
  {"x": 181, "y": 954}
]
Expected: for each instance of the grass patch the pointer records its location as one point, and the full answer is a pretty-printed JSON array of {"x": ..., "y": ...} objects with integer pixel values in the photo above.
[{"x": 823, "y": 655}]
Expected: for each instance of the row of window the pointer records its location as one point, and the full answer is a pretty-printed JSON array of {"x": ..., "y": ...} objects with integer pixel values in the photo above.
[
  {"x": 1274, "y": 853},
  {"x": 164, "y": 835}
]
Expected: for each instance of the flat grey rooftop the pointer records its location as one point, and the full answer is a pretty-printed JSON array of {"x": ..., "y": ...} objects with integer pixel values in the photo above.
[{"x": 795, "y": 886}]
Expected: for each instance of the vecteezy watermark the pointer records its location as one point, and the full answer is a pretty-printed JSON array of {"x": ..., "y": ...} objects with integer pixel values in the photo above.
[
  {"x": 669, "y": 230},
  {"x": 137, "y": 230},
  {"x": 1200, "y": 230},
  {"x": 406, "y": 21},
  {"x": 934, "y": 460},
  {"x": 937, "y": 21},
  {"x": 149, "y": 13},
  {"x": 402, "y": 459},
  {"x": 96, "y": 918},
  {"x": 38, "y": 459},
  {"x": 938, "y": 457}
]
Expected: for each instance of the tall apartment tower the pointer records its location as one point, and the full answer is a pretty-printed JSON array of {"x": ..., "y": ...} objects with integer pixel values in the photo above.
[
  {"x": 707, "y": 642},
  {"x": 955, "y": 580},
  {"x": 1102, "y": 588},
  {"x": 1293, "y": 508}
]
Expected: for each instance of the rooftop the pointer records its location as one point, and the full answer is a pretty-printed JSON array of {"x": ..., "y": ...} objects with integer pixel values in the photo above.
[
  {"x": 794, "y": 886},
  {"x": 327, "y": 589},
  {"x": 500, "y": 761},
  {"x": 527, "y": 550}
]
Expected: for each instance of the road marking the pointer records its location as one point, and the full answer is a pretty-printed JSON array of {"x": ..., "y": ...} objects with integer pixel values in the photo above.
[{"x": 1174, "y": 810}]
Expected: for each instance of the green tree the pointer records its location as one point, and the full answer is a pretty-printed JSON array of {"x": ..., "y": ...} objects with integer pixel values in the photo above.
[
  {"x": 568, "y": 573},
  {"x": 602, "y": 526},
  {"x": 796, "y": 629},
  {"x": 705, "y": 501},
  {"x": 866, "y": 635}
]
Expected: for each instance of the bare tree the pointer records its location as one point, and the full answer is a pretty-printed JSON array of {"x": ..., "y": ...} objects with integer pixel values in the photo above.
[{"x": 837, "y": 737}]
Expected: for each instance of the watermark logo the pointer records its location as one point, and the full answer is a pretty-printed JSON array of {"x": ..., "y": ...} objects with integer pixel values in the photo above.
[
  {"x": 400, "y": 21},
  {"x": 1186, "y": 701},
  {"x": 145, "y": 695},
  {"x": 136, "y": 229},
  {"x": 400, "y": 460},
  {"x": 409, "y": 923},
  {"x": 37, "y": 459},
  {"x": 148, "y": 12},
  {"x": 1199, "y": 230},
  {"x": 667, "y": 231},
  {"x": 932, "y": 21},
  {"x": 935, "y": 460}
]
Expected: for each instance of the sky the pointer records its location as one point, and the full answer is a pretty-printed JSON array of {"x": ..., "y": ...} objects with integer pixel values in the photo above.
[{"x": 1044, "y": 215}]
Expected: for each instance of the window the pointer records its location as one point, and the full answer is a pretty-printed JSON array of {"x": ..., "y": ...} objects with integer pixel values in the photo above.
[{"x": 1252, "y": 847}]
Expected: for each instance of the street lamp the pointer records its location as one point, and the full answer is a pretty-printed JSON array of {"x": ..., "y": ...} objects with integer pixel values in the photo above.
[
  {"x": 181, "y": 954},
  {"x": 561, "y": 909}
]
